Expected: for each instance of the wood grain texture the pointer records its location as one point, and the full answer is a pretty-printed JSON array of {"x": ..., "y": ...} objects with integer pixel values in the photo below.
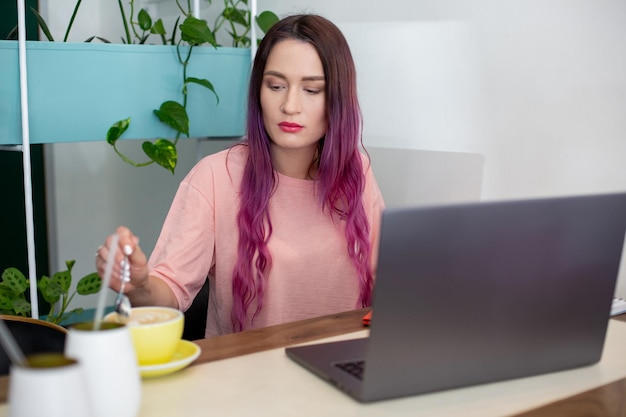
[{"x": 282, "y": 335}]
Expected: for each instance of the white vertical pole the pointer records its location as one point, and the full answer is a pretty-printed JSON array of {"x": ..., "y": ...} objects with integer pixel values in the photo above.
[
  {"x": 196, "y": 9},
  {"x": 253, "y": 36},
  {"x": 28, "y": 189}
]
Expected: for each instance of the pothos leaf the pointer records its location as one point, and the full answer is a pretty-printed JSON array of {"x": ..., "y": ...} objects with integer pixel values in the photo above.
[
  {"x": 266, "y": 20},
  {"x": 117, "y": 130},
  {"x": 158, "y": 28},
  {"x": 145, "y": 21},
  {"x": 174, "y": 115},
  {"x": 235, "y": 15},
  {"x": 196, "y": 32},
  {"x": 163, "y": 152},
  {"x": 205, "y": 83}
]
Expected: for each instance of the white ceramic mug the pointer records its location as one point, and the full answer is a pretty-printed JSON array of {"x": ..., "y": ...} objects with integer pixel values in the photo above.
[
  {"x": 110, "y": 365},
  {"x": 54, "y": 390}
]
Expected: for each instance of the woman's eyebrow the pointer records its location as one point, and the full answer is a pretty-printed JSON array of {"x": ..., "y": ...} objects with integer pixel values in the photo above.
[{"x": 307, "y": 78}]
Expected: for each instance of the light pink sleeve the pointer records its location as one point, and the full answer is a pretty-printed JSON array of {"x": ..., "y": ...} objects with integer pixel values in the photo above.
[{"x": 184, "y": 252}]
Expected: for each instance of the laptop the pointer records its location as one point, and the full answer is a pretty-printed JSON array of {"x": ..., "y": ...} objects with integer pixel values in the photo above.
[{"x": 473, "y": 293}]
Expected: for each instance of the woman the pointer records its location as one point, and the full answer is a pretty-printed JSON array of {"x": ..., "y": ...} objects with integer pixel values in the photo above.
[{"x": 285, "y": 225}]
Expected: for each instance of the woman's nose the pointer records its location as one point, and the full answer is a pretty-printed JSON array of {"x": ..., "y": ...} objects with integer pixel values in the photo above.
[{"x": 291, "y": 105}]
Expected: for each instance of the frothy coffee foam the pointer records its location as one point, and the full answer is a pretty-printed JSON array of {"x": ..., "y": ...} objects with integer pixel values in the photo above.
[{"x": 150, "y": 316}]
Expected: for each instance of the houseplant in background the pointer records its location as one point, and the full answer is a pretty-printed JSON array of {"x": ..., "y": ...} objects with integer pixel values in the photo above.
[
  {"x": 193, "y": 32},
  {"x": 55, "y": 290},
  {"x": 172, "y": 84}
]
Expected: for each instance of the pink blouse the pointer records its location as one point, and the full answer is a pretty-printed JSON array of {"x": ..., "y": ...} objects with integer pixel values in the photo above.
[{"x": 311, "y": 274}]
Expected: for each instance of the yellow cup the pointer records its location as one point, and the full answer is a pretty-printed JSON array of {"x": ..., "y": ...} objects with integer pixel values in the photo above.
[{"x": 156, "y": 332}]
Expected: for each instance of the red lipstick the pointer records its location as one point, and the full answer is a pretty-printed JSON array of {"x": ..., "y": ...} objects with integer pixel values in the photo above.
[{"x": 290, "y": 127}]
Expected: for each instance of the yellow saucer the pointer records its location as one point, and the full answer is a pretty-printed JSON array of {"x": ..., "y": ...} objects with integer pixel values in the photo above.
[{"x": 186, "y": 352}]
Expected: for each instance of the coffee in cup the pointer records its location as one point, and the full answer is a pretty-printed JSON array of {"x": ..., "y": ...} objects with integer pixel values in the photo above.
[{"x": 156, "y": 332}]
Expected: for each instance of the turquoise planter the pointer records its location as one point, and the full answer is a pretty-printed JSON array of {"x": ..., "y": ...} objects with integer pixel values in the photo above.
[{"x": 76, "y": 91}]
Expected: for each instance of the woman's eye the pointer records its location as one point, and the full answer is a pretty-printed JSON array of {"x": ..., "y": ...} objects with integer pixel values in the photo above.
[
  {"x": 313, "y": 90},
  {"x": 274, "y": 86}
]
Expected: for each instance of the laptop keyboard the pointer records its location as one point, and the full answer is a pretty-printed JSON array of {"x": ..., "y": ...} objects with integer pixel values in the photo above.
[{"x": 354, "y": 368}]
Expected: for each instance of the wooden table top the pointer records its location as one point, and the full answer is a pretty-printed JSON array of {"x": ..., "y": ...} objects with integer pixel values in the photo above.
[{"x": 606, "y": 400}]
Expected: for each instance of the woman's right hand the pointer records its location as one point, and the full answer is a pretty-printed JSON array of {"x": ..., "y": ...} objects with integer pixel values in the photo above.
[{"x": 128, "y": 244}]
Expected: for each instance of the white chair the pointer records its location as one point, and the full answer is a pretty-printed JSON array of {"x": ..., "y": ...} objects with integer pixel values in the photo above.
[{"x": 409, "y": 177}]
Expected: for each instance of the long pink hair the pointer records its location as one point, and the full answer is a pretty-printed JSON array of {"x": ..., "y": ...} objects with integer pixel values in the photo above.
[{"x": 340, "y": 181}]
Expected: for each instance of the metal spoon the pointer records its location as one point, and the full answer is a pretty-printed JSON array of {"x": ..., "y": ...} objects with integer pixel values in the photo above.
[{"x": 122, "y": 303}]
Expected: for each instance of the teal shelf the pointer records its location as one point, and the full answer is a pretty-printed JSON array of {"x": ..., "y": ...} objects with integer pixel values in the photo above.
[{"x": 76, "y": 91}]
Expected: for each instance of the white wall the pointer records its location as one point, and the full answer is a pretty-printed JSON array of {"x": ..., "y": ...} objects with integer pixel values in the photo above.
[
  {"x": 94, "y": 18},
  {"x": 537, "y": 87}
]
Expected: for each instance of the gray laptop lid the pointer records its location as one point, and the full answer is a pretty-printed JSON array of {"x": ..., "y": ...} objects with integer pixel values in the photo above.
[{"x": 474, "y": 293}]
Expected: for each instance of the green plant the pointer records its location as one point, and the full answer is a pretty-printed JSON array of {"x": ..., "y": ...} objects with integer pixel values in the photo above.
[
  {"x": 55, "y": 290},
  {"x": 235, "y": 18}
]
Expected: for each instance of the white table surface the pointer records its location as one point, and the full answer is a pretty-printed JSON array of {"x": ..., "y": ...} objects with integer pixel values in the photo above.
[{"x": 270, "y": 384}]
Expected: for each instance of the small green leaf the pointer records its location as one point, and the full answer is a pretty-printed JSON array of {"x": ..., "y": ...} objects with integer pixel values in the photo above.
[
  {"x": 63, "y": 317},
  {"x": 174, "y": 115},
  {"x": 53, "y": 293},
  {"x": 117, "y": 130},
  {"x": 77, "y": 310},
  {"x": 70, "y": 264},
  {"x": 235, "y": 15},
  {"x": 21, "y": 307},
  {"x": 204, "y": 83},
  {"x": 145, "y": 21},
  {"x": 163, "y": 152},
  {"x": 158, "y": 28},
  {"x": 7, "y": 297},
  {"x": 43, "y": 283},
  {"x": 89, "y": 284},
  {"x": 266, "y": 20},
  {"x": 50, "y": 289},
  {"x": 196, "y": 32},
  {"x": 15, "y": 280},
  {"x": 64, "y": 279}
]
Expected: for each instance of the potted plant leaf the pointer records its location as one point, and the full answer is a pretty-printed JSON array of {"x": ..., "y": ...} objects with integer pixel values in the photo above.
[
  {"x": 159, "y": 85},
  {"x": 55, "y": 290}
]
